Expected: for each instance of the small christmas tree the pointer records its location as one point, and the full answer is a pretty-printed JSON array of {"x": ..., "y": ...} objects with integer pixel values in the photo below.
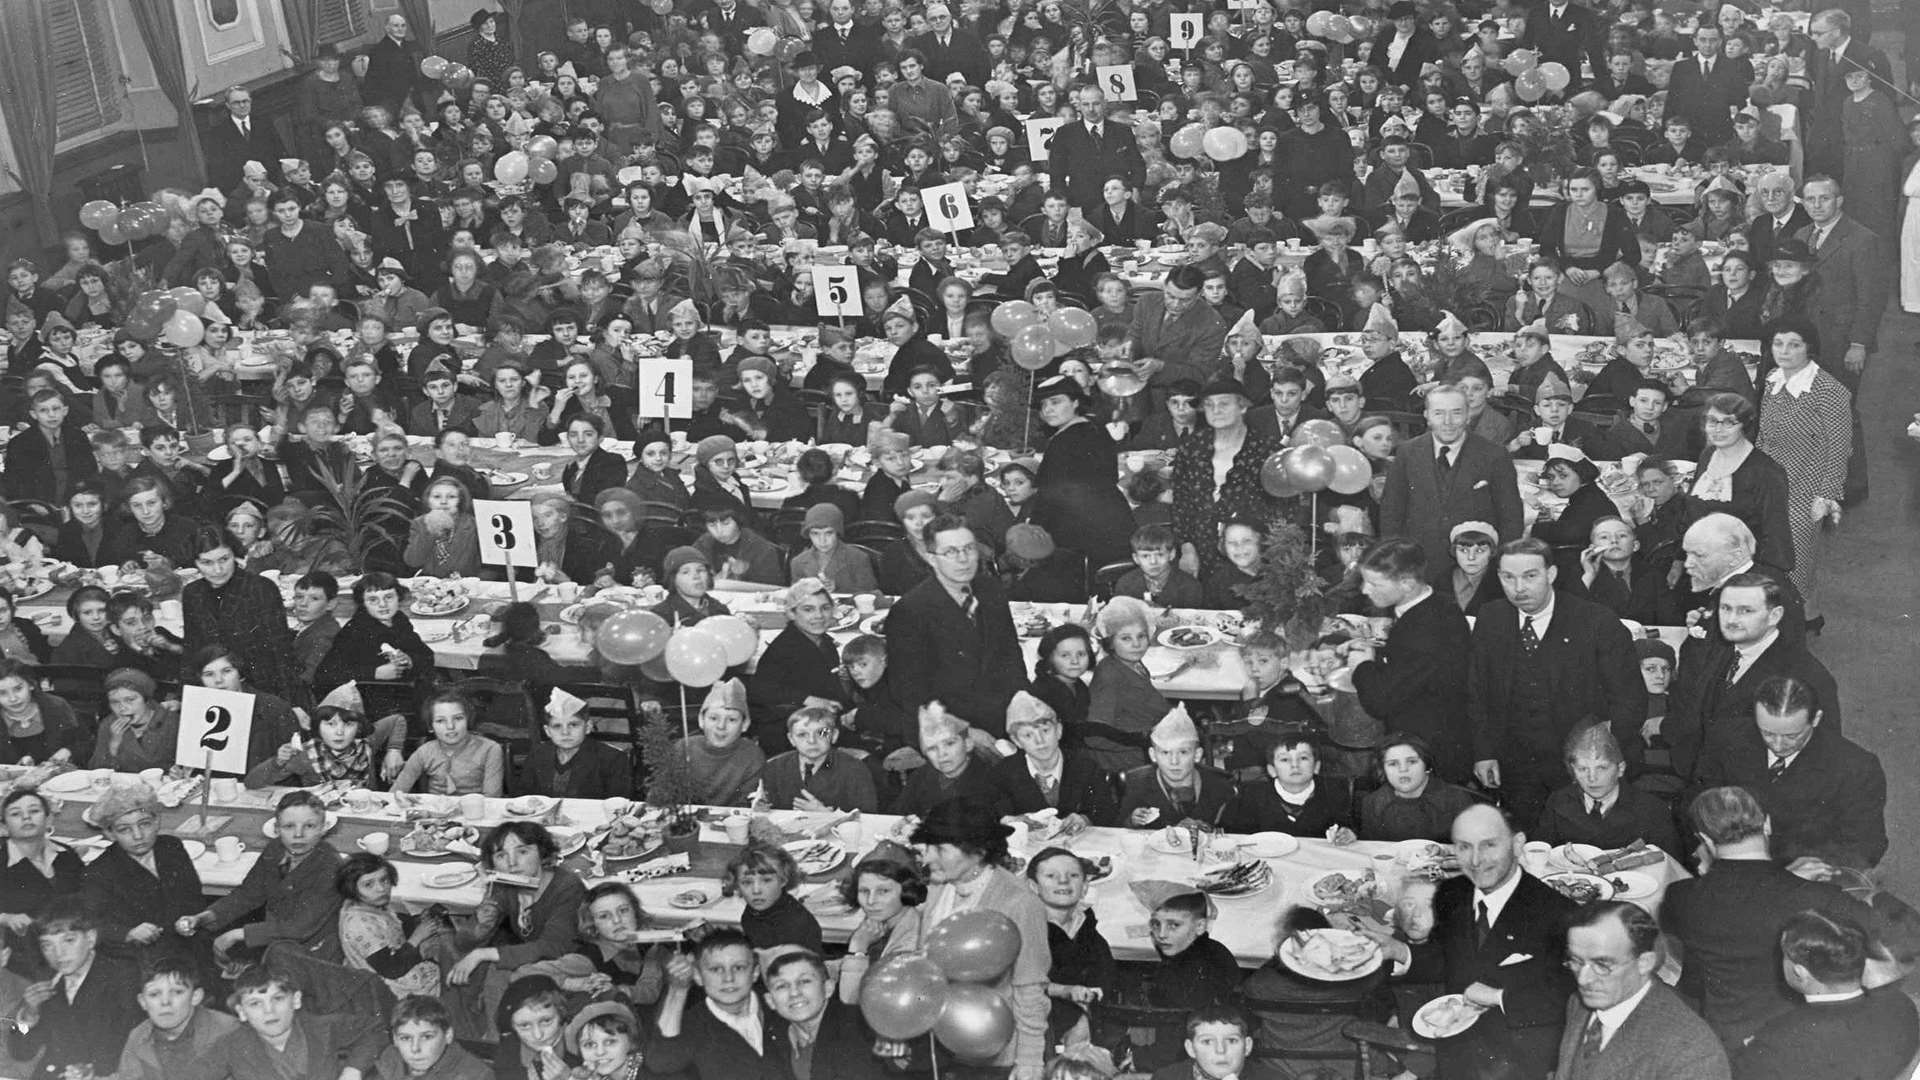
[
  {"x": 1289, "y": 597},
  {"x": 669, "y": 783}
]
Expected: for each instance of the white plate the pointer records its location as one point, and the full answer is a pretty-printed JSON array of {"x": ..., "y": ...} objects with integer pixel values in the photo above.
[
  {"x": 1602, "y": 885},
  {"x": 220, "y": 453},
  {"x": 1290, "y": 955},
  {"x": 1417, "y": 851},
  {"x": 1639, "y": 886},
  {"x": 1190, "y": 637},
  {"x": 34, "y": 590},
  {"x": 417, "y": 610},
  {"x": 845, "y": 617},
  {"x": 1270, "y": 845},
  {"x": 570, "y": 840},
  {"x": 1564, "y": 856},
  {"x": 503, "y": 479},
  {"x": 1171, "y": 840},
  {"x": 1458, "y": 1018},
  {"x": 195, "y": 848},
  {"x": 690, "y": 899},
  {"x": 764, "y": 485},
  {"x": 640, "y": 854},
  {"x": 450, "y": 878},
  {"x": 271, "y": 831},
  {"x": 529, "y": 805},
  {"x": 69, "y": 782},
  {"x": 827, "y": 854},
  {"x": 875, "y": 624}
]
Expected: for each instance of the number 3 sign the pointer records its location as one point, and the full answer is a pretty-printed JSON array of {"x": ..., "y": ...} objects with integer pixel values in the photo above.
[
  {"x": 506, "y": 530},
  {"x": 666, "y": 388},
  {"x": 217, "y": 723}
]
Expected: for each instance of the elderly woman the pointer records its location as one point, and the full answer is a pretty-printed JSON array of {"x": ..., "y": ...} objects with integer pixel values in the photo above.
[
  {"x": 1078, "y": 496},
  {"x": 1122, "y": 696},
  {"x": 143, "y": 729},
  {"x": 445, "y": 541},
  {"x": 142, "y": 884},
  {"x": 1736, "y": 477},
  {"x": 1599, "y": 808},
  {"x": 1216, "y": 477},
  {"x": 517, "y": 924},
  {"x": 964, "y": 846},
  {"x": 379, "y": 642},
  {"x": 1806, "y": 425},
  {"x": 36, "y": 727},
  {"x": 1570, "y": 475},
  {"x": 659, "y": 485},
  {"x": 1411, "y": 803},
  {"x": 801, "y": 667},
  {"x": 38, "y": 871},
  {"x": 564, "y": 550}
]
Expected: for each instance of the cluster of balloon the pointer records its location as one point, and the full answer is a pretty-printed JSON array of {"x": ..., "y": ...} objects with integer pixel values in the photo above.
[
  {"x": 943, "y": 989},
  {"x": 1224, "y": 143},
  {"x": 452, "y": 75},
  {"x": 1317, "y": 460},
  {"x": 515, "y": 166},
  {"x": 1189, "y": 142},
  {"x": 763, "y": 41},
  {"x": 1035, "y": 339},
  {"x": 1334, "y": 27},
  {"x": 122, "y": 225},
  {"x": 688, "y": 655}
]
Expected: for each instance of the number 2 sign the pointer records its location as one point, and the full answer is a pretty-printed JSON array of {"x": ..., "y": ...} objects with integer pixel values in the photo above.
[
  {"x": 836, "y": 291},
  {"x": 217, "y": 723},
  {"x": 666, "y": 388},
  {"x": 506, "y": 531}
]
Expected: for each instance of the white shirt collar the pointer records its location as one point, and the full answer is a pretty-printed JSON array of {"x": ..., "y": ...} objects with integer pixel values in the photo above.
[
  {"x": 1796, "y": 384},
  {"x": 1406, "y": 605},
  {"x": 1039, "y": 774},
  {"x": 1496, "y": 901},
  {"x": 1849, "y": 995},
  {"x": 1303, "y": 799},
  {"x": 1542, "y": 619},
  {"x": 1753, "y": 649},
  {"x": 1613, "y": 1016},
  {"x": 1606, "y": 804},
  {"x": 748, "y": 1024}
]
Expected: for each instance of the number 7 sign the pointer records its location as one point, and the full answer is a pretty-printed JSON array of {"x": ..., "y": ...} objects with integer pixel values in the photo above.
[
  {"x": 666, "y": 388},
  {"x": 1040, "y": 137},
  {"x": 217, "y": 723},
  {"x": 836, "y": 291}
]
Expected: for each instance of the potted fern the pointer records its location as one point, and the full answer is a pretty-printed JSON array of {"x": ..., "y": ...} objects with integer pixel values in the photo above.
[
  {"x": 1289, "y": 597},
  {"x": 371, "y": 522},
  {"x": 669, "y": 783}
]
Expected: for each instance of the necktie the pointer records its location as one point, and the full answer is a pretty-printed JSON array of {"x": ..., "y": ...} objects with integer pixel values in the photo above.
[
  {"x": 1590, "y": 1039},
  {"x": 1733, "y": 668},
  {"x": 1050, "y": 789},
  {"x": 1593, "y": 809},
  {"x": 806, "y": 773},
  {"x": 969, "y": 604},
  {"x": 1650, "y": 429},
  {"x": 1624, "y": 309},
  {"x": 1778, "y": 769},
  {"x": 246, "y": 130},
  {"x": 1706, "y": 68},
  {"x": 1529, "y": 641},
  {"x": 1445, "y": 460},
  {"x": 1482, "y": 926}
]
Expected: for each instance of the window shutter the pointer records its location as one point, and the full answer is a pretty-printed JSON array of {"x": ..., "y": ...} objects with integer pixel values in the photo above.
[
  {"x": 341, "y": 20},
  {"x": 86, "y": 67}
]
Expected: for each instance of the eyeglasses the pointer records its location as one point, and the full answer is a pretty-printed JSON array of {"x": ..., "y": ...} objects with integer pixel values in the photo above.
[
  {"x": 958, "y": 554},
  {"x": 1602, "y": 968},
  {"x": 1722, "y": 422}
]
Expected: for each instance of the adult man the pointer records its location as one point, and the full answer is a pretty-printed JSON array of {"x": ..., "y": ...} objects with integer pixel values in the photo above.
[
  {"x": 1728, "y": 920},
  {"x": 1403, "y": 48},
  {"x": 1826, "y": 796},
  {"x": 951, "y": 638},
  {"x": 1084, "y": 154},
  {"x": 822, "y": 1037},
  {"x": 1174, "y": 335},
  {"x": 843, "y": 42},
  {"x": 949, "y": 49},
  {"x": 235, "y": 139},
  {"x": 1707, "y": 87},
  {"x": 1445, "y": 477},
  {"x": 303, "y": 253},
  {"x": 1836, "y": 51},
  {"x": 1544, "y": 662},
  {"x": 731, "y": 20},
  {"x": 389, "y": 67},
  {"x": 1751, "y": 650},
  {"x": 1783, "y": 217},
  {"x": 1417, "y": 681},
  {"x": 1496, "y": 939},
  {"x": 1622, "y": 1022},
  {"x": 1566, "y": 33},
  {"x": 1716, "y": 548},
  {"x": 1849, "y": 296},
  {"x": 1840, "y": 1028},
  {"x": 922, "y": 104},
  {"x": 725, "y": 1033}
]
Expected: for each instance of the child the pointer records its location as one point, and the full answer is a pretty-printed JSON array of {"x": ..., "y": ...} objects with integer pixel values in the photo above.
[
  {"x": 764, "y": 875},
  {"x": 1273, "y": 709},
  {"x": 1064, "y": 656},
  {"x": 268, "y": 1003},
  {"x": 456, "y": 761},
  {"x": 1686, "y": 266},
  {"x": 952, "y": 769},
  {"x": 376, "y": 938},
  {"x": 726, "y": 768},
  {"x": 1661, "y": 752},
  {"x": 178, "y": 1030},
  {"x": 814, "y": 775},
  {"x": 877, "y": 722},
  {"x": 1298, "y": 801},
  {"x": 1533, "y": 363},
  {"x": 290, "y": 885},
  {"x": 570, "y": 764},
  {"x": 342, "y": 745},
  {"x": 1193, "y": 970},
  {"x": 532, "y": 1018},
  {"x": 1176, "y": 790},
  {"x": 423, "y": 1046},
  {"x": 606, "y": 1036},
  {"x": 1613, "y": 574},
  {"x": 1083, "y": 965},
  {"x": 1218, "y": 1041},
  {"x": 78, "y": 1020},
  {"x": 736, "y": 552},
  {"x": 1122, "y": 695},
  {"x": 844, "y": 569},
  {"x": 1155, "y": 577},
  {"x": 1240, "y": 543}
]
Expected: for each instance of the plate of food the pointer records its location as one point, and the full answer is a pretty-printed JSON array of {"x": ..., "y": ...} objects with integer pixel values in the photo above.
[
  {"x": 1270, "y": 845},
  {"x": 1581, "y": 888},
  {"x": 433, "y": 839},
  {"x": 1445, "y": 1017},
  {"x": 845, "y": 617},
  {"x": 30, "y": 589},
  {"x": 271, "y": 830},
  {"x": 452, "y": 877},
  {"x": 875, "y": 624},
  {"x": 1033, "y": 624},
  {"x": 502, "y": 478},
  {"x": 1577, "y": 857},
  {"x": 1190, "y": 637},
  {"x": 570, "y": 840},
  {"x": 1331, "y": 955},
  {"x": 690, "y": 899},
  {"x": 817, "y": 856},
  {"x": 1246, "y": 878},
  {"x": 627, "y": 840},
  {"x": 765, "y": 484},
  {"x": 530, "y": 805},
  {"x": 67, "y": 783},
  {"x": 1633, "y": 884},
  {"x": 1098, "y": 867},
  {"x": 433, "y": 597},
  {"x": 1172, "y": 840}
]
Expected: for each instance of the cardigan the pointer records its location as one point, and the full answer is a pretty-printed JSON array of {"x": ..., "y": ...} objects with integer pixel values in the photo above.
[
  {"x": 300, "y": 906},
  {"x": 476, "y": 766},
  {"x": 551, "y": 917}
]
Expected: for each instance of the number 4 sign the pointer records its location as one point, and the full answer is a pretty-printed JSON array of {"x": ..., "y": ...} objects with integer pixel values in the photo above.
[
  {"x": 666, "y": 388},
  {"x": 217, "y": 723},
  {"x": 836, "y": 291},
  {"x": 1116, "y": 81},
  {"x": 1186, "y": 30},
  {"x": 947, "y": 208},
  {"x": 506, "y": 531}
]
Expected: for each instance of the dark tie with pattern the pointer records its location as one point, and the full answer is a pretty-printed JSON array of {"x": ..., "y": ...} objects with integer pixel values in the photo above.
[
  {"x": 1778, "y": 769},
  {"x": 1529, "y": 640},
  {"x": 1445, "y": 460},
  {"x": 1590, "y": 1039}
]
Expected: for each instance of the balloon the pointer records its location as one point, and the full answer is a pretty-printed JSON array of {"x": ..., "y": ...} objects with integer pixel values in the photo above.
[
  {"x": 1521, "y": 61},
  {"x": 434, "y": 66},
  {"x": 632, "y": 637},
  {"x": 543, "y": 146},
  {"x": 790, "y": 48},
  {"x": 976, "y": 1023},
  {"x": 1352, "y": 472},
  {"x": 695, "y": 658},
  {"x": 1529, "y": 85},
  {"x": 132, "y": 228},
  {"x": 98, "y": 213},
  {"x": 663, "y": 7},
  {"x": 1340, "y": 28},
  {"x": 543, "y": 171},
  {"x": 762, "y": 41},
  {"x": 187, "y": 298},
  {"x": 1012, "y": 317},
  {"x": 184, "y": 330},
  {"x": 740, "y": 640},
  {"x": 901, "y": 997},
  {"x": 974, "y": 946},
  {"x": 1224, "y": 143},
  {"x": 1188, "y": 141},
  {"x": 1555, "y": 76},
  {"x": 1073, "y": 327},
  {"x": 656, "y": 669},
  {"x": 458, "y": 77},
  {"x": 112, "y": 235},
  {"x": 1363, "y": 27},
  {"x": 1274, "y": 479},
  {"x": 511, "y": 168},
  {"x": 1033, "y": 346},
  {"x": 1321, "y": 433},
  {"x": 143, "y": 329},
  {"x": 1309, "y": 467},
  {"x": 155, "y": 306}
]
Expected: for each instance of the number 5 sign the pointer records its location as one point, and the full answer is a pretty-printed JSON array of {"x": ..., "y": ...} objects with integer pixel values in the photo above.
[
  {"x": 666, "y": 388},
  {"x": 506, "y": 532},
  {"x": 1116, "y": 81},
  {"x": 947, "y": 208},
  {"x": 836, "y": 291},
  {"x": 217, "y": 723}
]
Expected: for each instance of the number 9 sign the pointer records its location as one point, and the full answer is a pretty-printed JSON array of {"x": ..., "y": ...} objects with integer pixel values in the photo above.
[
  {"x": 216, "y": 726},
  {"x": 506, "y": 531}
]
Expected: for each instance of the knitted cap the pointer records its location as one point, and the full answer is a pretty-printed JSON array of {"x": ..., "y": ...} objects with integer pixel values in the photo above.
[
  {"x": 712, "y": 447},
  {"x": 825, "y": 516},
  {"x": 680, "y": 557},
  {"x": 760, "y": 364}
]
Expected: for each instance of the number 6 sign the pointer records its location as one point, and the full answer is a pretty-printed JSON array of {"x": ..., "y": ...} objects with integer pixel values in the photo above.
[
  {"x": 666, "y": 388},
  {"x": 836, "y": 291},
  {"x": 506, "y": 531},
  {"x": 947, "y": 207},
  {"x": 217, "y": 723}
]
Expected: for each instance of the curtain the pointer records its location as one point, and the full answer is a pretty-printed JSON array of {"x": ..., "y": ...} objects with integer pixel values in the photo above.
[
  {"x": 160, "y": 32},
  {"x": 27, "y": 89},
  {"x": 514, "y": 9},
  {"x": 303, "y": 29},
  {"x": 419, "y": 15}
]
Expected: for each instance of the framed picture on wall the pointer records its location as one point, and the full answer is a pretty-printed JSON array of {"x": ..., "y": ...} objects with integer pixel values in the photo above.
[{"x": 229, "y": 28}]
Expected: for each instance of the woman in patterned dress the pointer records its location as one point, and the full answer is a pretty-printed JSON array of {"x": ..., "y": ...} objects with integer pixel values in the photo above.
[
  {"x": 1216, "y": 476},
  {"x": 1806, "y": 425}
]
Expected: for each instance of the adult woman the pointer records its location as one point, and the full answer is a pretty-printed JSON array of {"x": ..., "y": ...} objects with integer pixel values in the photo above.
[
  {"x": 714, "y": 483},
  {"x": 1216, "y": 475},
  {"x": 964, "y": 847},
  {"x": 1734, "y": 299},
  {"x": 582, "y": 395},
  {"x": 143, "y": 729},
  {"x": 511, "y": 410},
  {"x": 36, "y": 727},
  {"x": 592, "y": 469},
  {"x": 379, "y": 642},
  {"x": 659, "y": 485},
  {"x": 800, "y": 668},
  {"x": 1083, "y": 263},
  {"x": 1485, "y": 271},
  {"x": 1598, "y": 808},
  {"x": 1910, "y": 222},
  {"x": 1806, "y": 425},
  {"x": 139, "y": 887},
  {"x": 1078, "y": 496},
  {"x": 38, "y": 871},
  {"x": 152, "y": 535},
  {"x": 1122, "y": 697},
  {"x": 1586, "y": 236},
  {"x": 518, "y": 924},
  {"x": 241, "y": 609},
  {"x": 889, "y": 889},
  {"x": 1411, "y": 803},
  {"x": 1738, "y": 478},
  {"x": 1510, "y": 209},
  {"x": 1875, "y": 142},
  {"x": 445, "y": 541},
  {"x": 219, "y": 667}
]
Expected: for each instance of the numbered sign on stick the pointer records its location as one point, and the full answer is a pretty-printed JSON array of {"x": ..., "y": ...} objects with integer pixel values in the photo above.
[
  {"x": 666, "y": 388},
  {"x": 947, "y": 207},
  {"x": 217, "y": 722},
  {"x": 506, "y": 532},
  {"x": 1186, "y": 30},
  {"x": 1116, "y": 81},
  {"x": 836, "y": 291},
  {"x": 1040, "y": 137}
]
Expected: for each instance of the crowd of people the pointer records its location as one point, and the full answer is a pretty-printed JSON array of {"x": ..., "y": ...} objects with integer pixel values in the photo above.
[{"x": 422, "y": 249}]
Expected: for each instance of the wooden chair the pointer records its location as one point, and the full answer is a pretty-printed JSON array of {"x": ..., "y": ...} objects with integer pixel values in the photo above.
[
  {"x": 1369, "y": 1004},
  {"x": 874, "y": 534},
  {"x": 1370, "y": 1038},
  {"x": 1329, "y": 313},
  {"x": 1108, "y": 576},
  {"x": 504, "y": 712}
]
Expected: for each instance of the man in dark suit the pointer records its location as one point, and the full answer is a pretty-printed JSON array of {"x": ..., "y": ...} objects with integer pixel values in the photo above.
[
  {"x": 1707, "y": 87},
  {"x": 1566, "y": 33},
  {"x": 1840, "y": 1028},
  {"x": 390, "y": 69},
  {"x": 950, "y": 48},
  {"x": 1498, "y": 939},
  {"x": 1782, "y": 216},
  {"x": 1751, "y": 651},
  {"x": 841, "y": 42},
  {"x": 1043, "y": 776},
  {"x": 732, "y": 20},
  {"x": 1417, "y": 681},
  {"x": 951, "y": 638},
  {"x": 1175, "y": 335},
  {"x": 1622, "y": 1022},
  {"x": 1728, "y": 920},
  {"x": 1544, "y": 662},
  {"x": 1825, "y": 796},
  {"x": 237, "y": 138},
  {"x": 1404, "y": 47},
  {"x": 1837, "y": 50},
  {"x": 1445, "y": 477},
  {"x": 1084, "y": 153},
  {"x": 1718, "y": 547},
  {"x": 705, "y": 1037},
  {"x": 1849, "y": 297}
]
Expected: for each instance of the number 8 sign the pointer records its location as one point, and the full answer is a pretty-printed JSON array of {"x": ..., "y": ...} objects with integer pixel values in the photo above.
[
  {"x": 666, "y": 388},
  {"x": 215, "y": 725},
  {"x": 1116, "y": 82}
]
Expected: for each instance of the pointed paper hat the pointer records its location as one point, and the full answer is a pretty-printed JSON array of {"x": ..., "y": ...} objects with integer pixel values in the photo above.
[
  {"x": 1380, "y": 321},
  {"x": 1175, "y": 729},
  {"x": 1407, "y": 185},
  {"x": 1245, "y": 327},
  {"x": 1626, "y": 328},
  {"x": 727, "y": 694},
  {"x": 1450, "y": 323},
  {"x": 562, "y": 704},
  {"x": 346, "y": 696}
]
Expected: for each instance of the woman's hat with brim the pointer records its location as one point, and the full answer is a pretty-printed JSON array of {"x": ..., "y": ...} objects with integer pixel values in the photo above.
[
  {"x": 1224, "y": 385},
  {"x": 479, "y": 18},
  {"x": 963, "y": 820},
  {"x": 1060, "y": 386},
  {"x": 1463, "y": 237},
  {"x": 1793, "y": 249}
]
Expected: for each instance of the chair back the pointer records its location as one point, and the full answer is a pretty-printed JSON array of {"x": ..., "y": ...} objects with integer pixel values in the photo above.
[{"x": 1108, "y": 576}]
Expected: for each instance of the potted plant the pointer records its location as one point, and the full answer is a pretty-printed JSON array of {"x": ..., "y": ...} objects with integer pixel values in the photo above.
[
  {"x": 669, "y": 782},
  {"x": 1289, "y": 597}
]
